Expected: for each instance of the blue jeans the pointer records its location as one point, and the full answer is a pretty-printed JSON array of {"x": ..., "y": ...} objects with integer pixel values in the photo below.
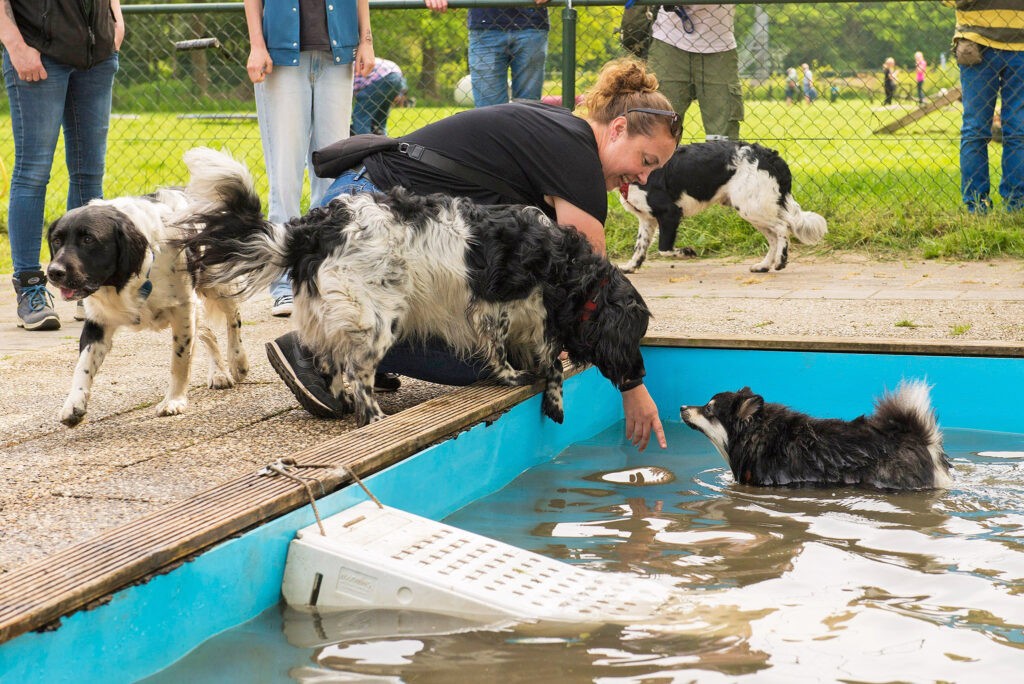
[
  {"x": 431, "y": 360},
  {"x": 77, "y": 100},
  {"x": 1000, "y": 74},
  {"x": 372, "y": 104},
  {"x": 492, "y": 52},
  {"x": 300, "y": 109}
]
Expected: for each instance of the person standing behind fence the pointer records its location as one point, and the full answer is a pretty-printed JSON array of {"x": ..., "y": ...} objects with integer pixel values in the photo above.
[
  {"x": 791, "y": 83},
  {"x": 889, "y": 79},
  {"x": 59, "y": 68},
  {"x": 989, "y": 46},
  {"x": 921, "y": 70},
  {"x": 504, "y": 39},
  {"x": 374, "y": 94},
  {"x": 810, "y": 94},
  {"x": 694, "y": 55},
  {"x": 302, "y": 55}
]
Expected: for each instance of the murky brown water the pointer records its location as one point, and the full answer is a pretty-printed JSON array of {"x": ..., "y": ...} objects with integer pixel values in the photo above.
[{"x": 780, "y": 585}]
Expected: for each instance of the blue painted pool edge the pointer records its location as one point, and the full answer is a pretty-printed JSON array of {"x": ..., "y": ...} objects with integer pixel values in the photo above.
[
  {"x": 147, "y": 627},
  {"x": 144, "y": 628}
]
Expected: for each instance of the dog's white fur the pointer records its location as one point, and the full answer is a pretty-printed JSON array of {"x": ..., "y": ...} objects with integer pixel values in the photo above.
[
  {"x": 754, "y": 193},
  {"x": 173, "y": 302}
]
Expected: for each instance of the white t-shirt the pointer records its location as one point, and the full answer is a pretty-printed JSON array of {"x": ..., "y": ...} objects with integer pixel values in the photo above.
[{"x": 711, "y": 29}]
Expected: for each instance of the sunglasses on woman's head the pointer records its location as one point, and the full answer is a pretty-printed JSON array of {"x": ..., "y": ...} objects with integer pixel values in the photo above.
[{"x": 675, "y": 124}]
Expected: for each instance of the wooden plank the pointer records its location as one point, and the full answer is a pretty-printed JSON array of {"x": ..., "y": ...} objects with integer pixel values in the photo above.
[
  {"x": 36, "y": 594},
  {"x": 952, "y": 95}
]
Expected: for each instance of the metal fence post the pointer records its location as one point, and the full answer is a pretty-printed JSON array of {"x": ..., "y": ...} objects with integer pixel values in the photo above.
[{"x": 569, "y": 56}]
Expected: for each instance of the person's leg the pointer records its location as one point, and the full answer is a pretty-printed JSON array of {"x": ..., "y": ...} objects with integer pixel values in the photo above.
[
  {"x": 674, "y": 69},
  {"x": 362, "y": 110},
  {"x": 529, "y": 53},
  {"x": 284, "y": 110},
  {"x": 488, "y": 66},
  {"x": 36, "y": 112},
  {"x": 720, "y": 94},
  {"x": 389, "y": 87},
  {"x": 433, "y": 361},
  {"x": 86, "y": 123},
  {"x": 980, "y": 86},
  {"x": 1011, "y": 187},
  {"x": 331, "y": 111}
]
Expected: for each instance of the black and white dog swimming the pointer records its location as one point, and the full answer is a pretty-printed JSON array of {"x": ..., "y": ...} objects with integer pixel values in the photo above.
[
  {"x": 899, "y": 446},
  {"x": 369, "y": 270},
  {"x": 753, "y": 179},
  {"x": 118, "y": 255}
]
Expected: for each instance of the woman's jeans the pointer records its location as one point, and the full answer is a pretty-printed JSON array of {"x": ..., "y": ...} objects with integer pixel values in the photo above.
[
  {"x": 373, "y": 104},
  {"x": 77, "y": 100},
  {"x": 1000, "y": 73},
  {"x": 492, "y": 52},
  {"x": 431, "y": 360},
  {"x": 300, "y": 109}
]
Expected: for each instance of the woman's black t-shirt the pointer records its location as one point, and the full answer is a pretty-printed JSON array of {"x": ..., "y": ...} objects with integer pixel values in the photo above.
[{"x": 537, "y": 149}]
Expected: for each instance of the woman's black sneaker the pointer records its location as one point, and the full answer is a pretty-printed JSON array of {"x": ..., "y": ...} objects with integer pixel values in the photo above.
[{"x": 298, "y": 368}]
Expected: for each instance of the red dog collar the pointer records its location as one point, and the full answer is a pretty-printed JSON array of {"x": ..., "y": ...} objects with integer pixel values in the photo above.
[{"x": 590, "y": 306}]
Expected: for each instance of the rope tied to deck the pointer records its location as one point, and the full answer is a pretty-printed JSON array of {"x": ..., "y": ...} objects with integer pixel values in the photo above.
[{"x": 284, "y": 466}]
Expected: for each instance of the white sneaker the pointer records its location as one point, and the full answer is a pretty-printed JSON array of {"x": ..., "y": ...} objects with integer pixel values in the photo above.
[{"x": 282, "y": 307}]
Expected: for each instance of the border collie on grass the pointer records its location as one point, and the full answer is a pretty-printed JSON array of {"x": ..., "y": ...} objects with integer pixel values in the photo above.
[{"x": 751, "y": 178}]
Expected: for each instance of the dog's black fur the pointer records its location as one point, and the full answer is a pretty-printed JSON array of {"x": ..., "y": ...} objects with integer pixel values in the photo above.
[
  {"x": 751, "y": 178},
  {"x": 899, "y": 446},
  {"x": 501, "y": 282}
]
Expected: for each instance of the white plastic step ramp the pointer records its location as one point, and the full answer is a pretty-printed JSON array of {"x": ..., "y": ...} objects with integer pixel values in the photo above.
[{"x": 385, "y": 558}]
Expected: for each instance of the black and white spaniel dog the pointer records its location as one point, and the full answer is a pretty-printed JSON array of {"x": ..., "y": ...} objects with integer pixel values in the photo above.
[
  {"x": 369, "y": 270},
  {"x": 118, "y": 255},
  {"x": 751, "y": 178}
]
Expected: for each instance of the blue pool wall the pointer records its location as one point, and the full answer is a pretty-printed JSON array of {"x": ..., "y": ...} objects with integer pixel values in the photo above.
[
  {"x": 148, "y": 627},
  {"x": 978, "y": 393},
  {"x": 144, "y": 628}
]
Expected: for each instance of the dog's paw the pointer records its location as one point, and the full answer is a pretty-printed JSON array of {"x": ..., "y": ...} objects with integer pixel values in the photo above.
[
  {"x": 220, "y": 380},
  {"x": 628, "y": 268},
  {"x": 759, "y": 268},
  {"x": 73, "y": 413},
  {"x": 240, "y": 368},
  {"x": 171, "y": 406},
  {"x": 552, "y": 409}
]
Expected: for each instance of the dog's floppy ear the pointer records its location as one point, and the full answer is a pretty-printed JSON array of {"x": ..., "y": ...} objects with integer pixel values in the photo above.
[
  {"x": 750, "y": 405},
  {"x": 49, "y": 236},
  {"x": 131, "y": 247}
]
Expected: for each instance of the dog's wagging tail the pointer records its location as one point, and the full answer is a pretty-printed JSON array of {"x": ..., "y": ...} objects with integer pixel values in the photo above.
[
  {"x": 899, "y": 446},
  {"x": 502, "y": 283}
]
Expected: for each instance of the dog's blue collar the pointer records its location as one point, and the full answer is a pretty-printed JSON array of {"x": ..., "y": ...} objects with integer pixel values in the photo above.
[{"x": 146, "y": 288}]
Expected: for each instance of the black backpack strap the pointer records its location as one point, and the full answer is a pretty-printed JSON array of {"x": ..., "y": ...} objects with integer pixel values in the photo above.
[{"x": 466, "y": 173}]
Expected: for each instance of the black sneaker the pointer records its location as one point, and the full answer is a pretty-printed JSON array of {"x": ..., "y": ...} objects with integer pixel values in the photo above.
[
  {"x": 298, "y": 368},
  {"x": 386, "y": 382}
]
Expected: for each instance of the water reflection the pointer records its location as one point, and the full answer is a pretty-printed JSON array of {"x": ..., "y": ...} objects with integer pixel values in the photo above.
[{"x": 777, "y": 585}]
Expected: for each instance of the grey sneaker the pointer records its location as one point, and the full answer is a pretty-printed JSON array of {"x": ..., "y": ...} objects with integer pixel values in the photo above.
[
  {"x": 35, "y": 303},
  {"x": 79, "y": 311},
  {"x": 282, "y": 307}
]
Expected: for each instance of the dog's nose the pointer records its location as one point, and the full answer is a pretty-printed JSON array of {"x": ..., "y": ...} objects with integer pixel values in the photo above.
[{"x": 55, "y": 272}]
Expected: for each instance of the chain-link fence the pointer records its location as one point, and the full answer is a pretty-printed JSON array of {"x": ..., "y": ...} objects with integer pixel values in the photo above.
[{"x": 805, "y": 78}]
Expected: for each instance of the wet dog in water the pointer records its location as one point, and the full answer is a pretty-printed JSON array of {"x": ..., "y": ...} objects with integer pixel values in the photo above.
[{"x": 899, "y": 446}]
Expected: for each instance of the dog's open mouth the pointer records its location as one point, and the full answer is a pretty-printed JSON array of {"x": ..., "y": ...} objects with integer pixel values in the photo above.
[{"x": 71, "y": 294}]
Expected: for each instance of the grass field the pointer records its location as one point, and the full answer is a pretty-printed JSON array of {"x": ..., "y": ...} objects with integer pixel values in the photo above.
[{"x": 884, "y": 194}]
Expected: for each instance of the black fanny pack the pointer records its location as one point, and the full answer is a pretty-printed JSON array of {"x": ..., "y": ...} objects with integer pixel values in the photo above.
[{"x": 339, "y": 157}]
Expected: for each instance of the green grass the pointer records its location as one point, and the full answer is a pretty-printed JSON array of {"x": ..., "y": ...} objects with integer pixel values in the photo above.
[{"x": 886, "y": 195}]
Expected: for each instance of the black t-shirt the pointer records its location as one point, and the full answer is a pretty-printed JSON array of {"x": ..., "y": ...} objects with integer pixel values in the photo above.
[
  {"x": 538, "y": 149},
  {"x": 313, "y": 26}
]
